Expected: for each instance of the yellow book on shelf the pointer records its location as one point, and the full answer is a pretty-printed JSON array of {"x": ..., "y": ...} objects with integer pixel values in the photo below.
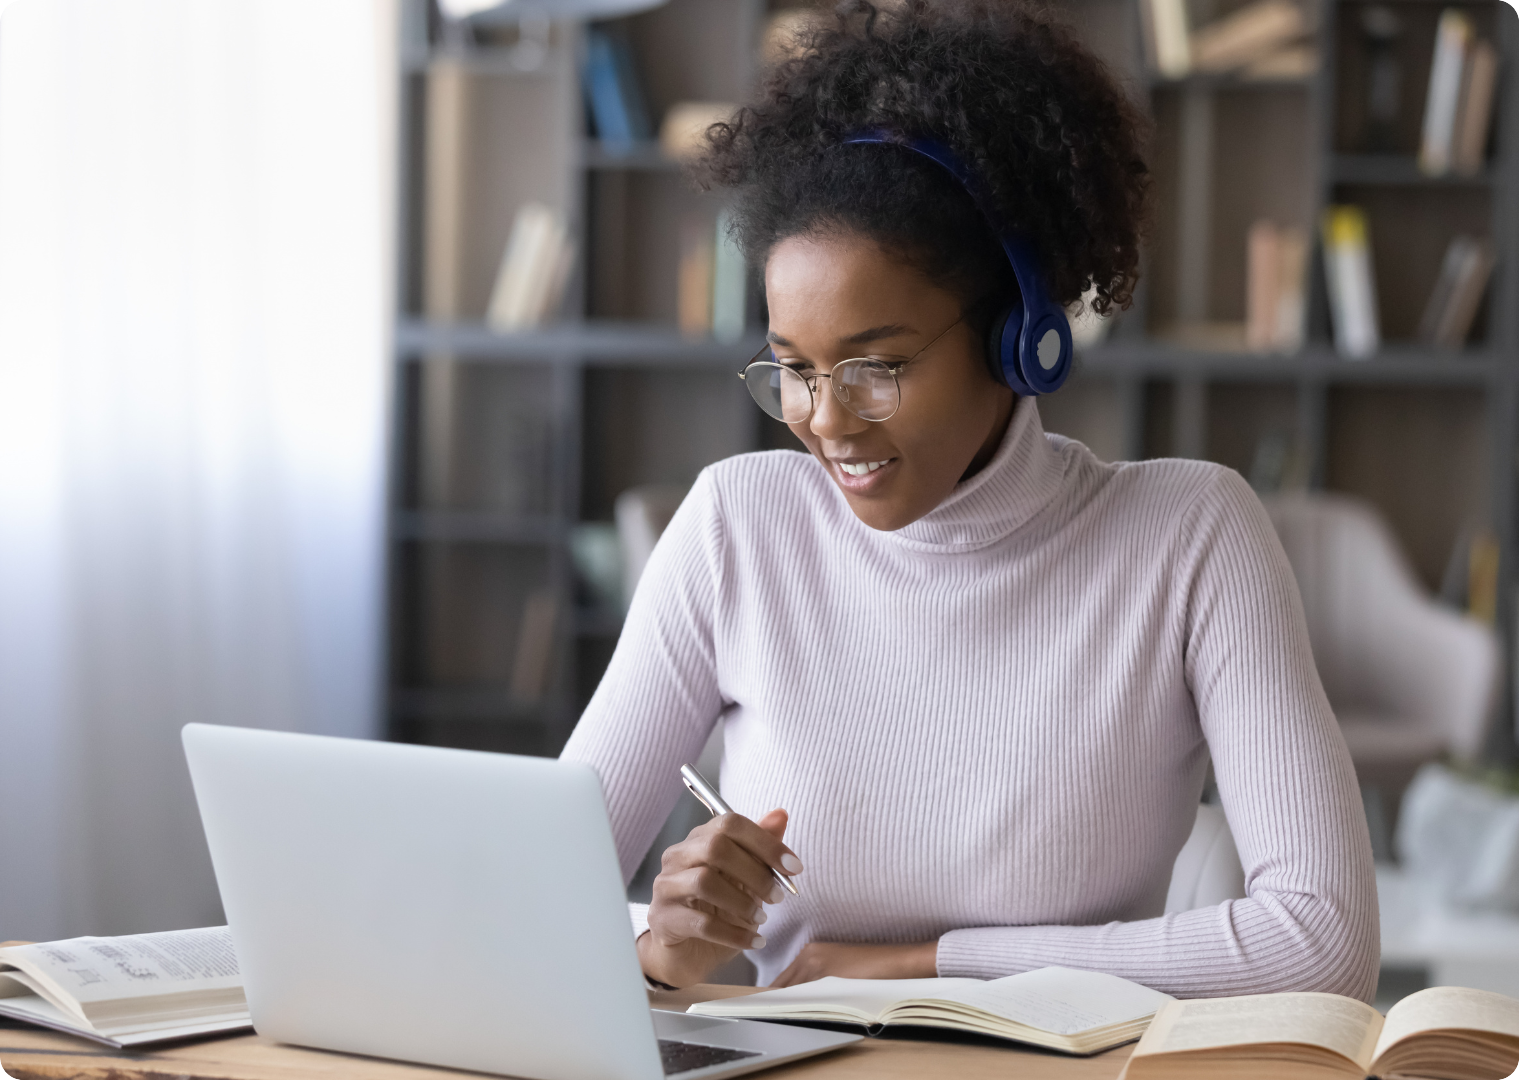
[{"x": 1352, "y": 287}]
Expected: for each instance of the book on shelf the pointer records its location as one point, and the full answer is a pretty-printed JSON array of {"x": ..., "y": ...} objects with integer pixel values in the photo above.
[
  {"x": 1474, "y": 115},
  {"x": 535, "y": 268},
  {"x": 1275, "y": 287},
  {"x": 1352, "y": 286},
  {"x": 1482, "y": 577},
  {"x": 1446, "y": 1032},
  {"x": 730, "y": 283},
  {"x": 1167, "y": 37},
  {"x": 1442, "y": 102},
  {"x": 613, "y": 92},
  {"x": 1076, "y": 1012},
  {"x": 534, "y": 660},
  {"x": 693, "y": 284},
  {"x": 1470, "y": 581},
  {"x": 1452, "y": 308},
  {"x": 127, "y": 991},
  {"x": 1247, "y": 35},
  {"x": 1298, "y": 61}
]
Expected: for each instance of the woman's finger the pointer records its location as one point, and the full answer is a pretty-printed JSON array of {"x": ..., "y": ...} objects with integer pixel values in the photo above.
[
  {"x": 713, "y": 845},
  {"x": 678, "y": 923},
  {"x": 760, "y": 842},
  {"x": 710, "y": 886}
]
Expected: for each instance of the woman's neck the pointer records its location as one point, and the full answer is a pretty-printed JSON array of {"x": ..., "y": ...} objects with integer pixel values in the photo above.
[{"x": 993, "y": 438}]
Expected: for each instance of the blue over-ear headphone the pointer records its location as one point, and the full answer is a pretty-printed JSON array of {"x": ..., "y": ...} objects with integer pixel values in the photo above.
[{"x": 1029, "y": 343}]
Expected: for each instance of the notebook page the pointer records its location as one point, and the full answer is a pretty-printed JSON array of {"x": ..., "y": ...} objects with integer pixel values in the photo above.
[
  {"x": 1442, "y": 1007},
  {"x": 870, "y": 996},
  {"x": 1348, "y": 1028},
  {"x": 1060, "y": 1000}
]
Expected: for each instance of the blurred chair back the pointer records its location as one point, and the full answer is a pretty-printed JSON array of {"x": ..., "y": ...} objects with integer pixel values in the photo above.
[
  {"x": 1207, "y": 870},
  {"x": 1408, "y": 679},
  {"x": 642, "y": 514}
]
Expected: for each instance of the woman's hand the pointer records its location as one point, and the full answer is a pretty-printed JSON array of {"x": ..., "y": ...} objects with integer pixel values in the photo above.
[
  {"x": 709, "y": 896},
  {"x": 821, "y": 958}
]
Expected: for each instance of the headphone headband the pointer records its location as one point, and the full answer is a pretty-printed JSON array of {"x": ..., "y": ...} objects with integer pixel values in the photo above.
[{"x": 1030, "y": 344}]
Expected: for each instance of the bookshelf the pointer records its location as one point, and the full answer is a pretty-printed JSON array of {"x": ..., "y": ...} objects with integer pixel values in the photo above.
[{"x": 506, "y": 443}]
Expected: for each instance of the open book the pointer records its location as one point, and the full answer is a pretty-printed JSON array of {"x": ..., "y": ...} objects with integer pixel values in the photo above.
[
  {"x": 1078, "y": 1012},
  {"x": 127, "y": 991},
  {"x": 1444, "y": 1032}
]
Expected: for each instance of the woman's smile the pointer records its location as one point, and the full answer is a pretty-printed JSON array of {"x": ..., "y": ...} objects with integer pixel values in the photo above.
[{"x": 863, "y": 476}]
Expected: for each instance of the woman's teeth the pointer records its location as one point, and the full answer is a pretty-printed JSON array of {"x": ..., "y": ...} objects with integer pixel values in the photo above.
[{"x": 862, "y": 468}]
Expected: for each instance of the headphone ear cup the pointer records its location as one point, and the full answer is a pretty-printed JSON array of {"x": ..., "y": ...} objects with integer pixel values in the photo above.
[
  {"x": 1002, "y": 350},
  {"x": 996, "y": 363}
]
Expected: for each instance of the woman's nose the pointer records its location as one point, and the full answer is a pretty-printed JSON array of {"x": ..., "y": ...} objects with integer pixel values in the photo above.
[{"x": 830, "y": 419}]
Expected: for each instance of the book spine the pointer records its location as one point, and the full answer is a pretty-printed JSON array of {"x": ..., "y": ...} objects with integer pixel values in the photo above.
[
  {"x": 1173, "y": 46},
  {"x": 1352, "y": 288},
  {"x": 1445, "y": 287},
  {"x": 1262, "y": 286},
  {"x": 603, "y": 90},
  {"x": 630, "y": 89},
  {"x": 1471, "y": 282},
  {"x": 1292, "y": 289},
  {"x": 535, "y": 646},
  {"x": 1475, "y": 115},
  {"x": 693, "y": 293},
  {"x": 730, "y": 284},
  {"x": 1444, "y": 94},
  {"x": 1249, "y": 34}
]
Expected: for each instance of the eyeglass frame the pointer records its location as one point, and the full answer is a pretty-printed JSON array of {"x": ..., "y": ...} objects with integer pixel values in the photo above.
[{"x": 894, "y": 368}]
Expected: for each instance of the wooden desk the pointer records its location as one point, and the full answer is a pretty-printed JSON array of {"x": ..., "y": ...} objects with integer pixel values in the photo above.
[{"x": 29, "y": 1053}]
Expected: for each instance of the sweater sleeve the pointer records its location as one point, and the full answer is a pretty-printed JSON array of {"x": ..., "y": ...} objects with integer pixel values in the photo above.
[
  {"x": 658, "y": 701},
  {"x": 1309, "y": 921}
]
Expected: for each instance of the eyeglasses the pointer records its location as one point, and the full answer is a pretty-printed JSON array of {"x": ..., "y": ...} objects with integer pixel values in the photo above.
[{"x": 865, "y": 385}]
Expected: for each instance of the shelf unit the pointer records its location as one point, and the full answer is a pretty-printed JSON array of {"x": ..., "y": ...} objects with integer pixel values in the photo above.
[{"x": 540, "y": 430}]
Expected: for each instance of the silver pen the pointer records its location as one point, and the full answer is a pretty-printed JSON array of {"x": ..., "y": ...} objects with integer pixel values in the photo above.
[{"x": 697, "y": 785}]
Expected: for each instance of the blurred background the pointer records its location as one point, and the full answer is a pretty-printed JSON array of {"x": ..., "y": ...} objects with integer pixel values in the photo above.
[{"x": 458, "y": 334}]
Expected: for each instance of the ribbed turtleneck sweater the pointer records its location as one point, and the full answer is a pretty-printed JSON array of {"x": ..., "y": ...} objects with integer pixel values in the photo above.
[{"x": 992, "y": 727}]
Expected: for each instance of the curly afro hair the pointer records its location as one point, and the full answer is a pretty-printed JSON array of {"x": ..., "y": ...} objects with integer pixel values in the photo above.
[{"x": 1055, "y": 142}]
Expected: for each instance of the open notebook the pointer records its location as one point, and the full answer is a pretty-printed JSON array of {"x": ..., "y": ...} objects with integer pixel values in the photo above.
[{"x": 1078, "y": 1012}]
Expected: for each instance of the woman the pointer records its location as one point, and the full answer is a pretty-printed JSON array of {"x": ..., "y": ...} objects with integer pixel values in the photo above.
[{"x": 982, "y": 672}]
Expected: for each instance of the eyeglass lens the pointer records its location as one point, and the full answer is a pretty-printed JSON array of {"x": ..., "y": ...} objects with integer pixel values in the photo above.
[{"x": 865, "y": 387}]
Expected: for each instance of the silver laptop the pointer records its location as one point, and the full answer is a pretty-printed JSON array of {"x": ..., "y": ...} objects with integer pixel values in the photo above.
[{"x": 444, "y": 906}]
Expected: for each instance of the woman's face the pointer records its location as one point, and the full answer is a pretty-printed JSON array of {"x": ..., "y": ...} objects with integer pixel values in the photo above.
[{"x": 839, "y": 297}]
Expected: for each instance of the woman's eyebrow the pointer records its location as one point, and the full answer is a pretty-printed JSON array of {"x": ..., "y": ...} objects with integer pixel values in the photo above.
[
  {"x": 876, "y": 333},
  {"x": 864, "y": 337}
]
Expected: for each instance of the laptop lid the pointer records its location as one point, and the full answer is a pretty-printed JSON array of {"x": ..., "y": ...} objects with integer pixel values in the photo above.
[{"x": 444, "y": 906}]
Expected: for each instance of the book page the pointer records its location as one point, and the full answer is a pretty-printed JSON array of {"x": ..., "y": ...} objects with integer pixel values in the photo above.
[
  {"x": 871, "y": 997},
  {"x": 1060, "y": 1000},
  {"x": 95, "y": 969},
  {"x": 1347, "y": 1027},
  {"x": 1449, "y": 1008}
]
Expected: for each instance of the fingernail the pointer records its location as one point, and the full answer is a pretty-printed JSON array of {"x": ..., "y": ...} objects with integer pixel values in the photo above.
[
  {"x": 757, "y": 943},
  {"x": 791, "y": 864},
  {"x": 760, "y": 917},
  {"x": 777, "y": 894}
]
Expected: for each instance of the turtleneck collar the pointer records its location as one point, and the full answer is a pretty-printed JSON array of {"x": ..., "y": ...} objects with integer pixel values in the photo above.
[{"x": 1022, "y": 477}]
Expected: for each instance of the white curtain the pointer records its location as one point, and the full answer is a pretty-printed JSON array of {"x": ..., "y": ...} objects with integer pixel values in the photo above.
[{"x": 194, "y": 231}]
